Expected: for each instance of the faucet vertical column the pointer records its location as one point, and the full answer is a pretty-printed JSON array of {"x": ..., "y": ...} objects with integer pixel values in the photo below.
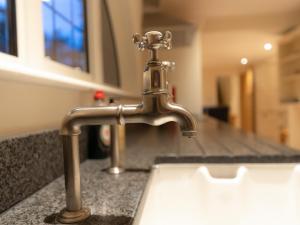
[
  {"x": 116, "y": 167},
  {"x": 73, "y": 211}
]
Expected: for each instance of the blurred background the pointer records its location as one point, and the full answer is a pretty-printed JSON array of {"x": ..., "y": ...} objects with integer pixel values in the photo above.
[
  {"x": 237, "y": 61},
  {"x": 248, "y": 58}
]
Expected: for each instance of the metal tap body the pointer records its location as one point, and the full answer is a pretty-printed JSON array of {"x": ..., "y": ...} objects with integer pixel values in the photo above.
[{"x": 155, "y": 109}]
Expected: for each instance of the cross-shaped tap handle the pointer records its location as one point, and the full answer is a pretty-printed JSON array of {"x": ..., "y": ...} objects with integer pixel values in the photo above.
[{"x": 153, "y": 40}]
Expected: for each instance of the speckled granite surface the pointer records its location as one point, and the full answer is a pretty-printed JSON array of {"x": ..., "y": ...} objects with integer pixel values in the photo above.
[
  {"x": 112, "y": 199},
  {"x": 115, "y": 199},
  {"x": 30, "y": 162}
]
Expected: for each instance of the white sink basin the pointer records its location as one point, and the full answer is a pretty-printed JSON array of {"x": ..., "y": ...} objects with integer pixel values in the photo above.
[{"x": 232, "y": 194}]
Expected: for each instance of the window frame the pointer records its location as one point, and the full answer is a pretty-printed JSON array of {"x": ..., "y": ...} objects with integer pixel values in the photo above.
[
  {"x": 10, "y": 13},
  {"x": 86, "y": 34},
  {"x": 12, "y": 24}
]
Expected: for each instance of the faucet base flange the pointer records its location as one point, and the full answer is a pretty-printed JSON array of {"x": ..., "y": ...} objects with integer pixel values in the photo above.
[
  {"x": 115, "y": 170},
  {"x": 69, "y": 217}
]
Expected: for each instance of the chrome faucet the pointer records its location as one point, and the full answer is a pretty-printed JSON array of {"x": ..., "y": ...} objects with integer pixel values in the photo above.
[{"x": 155, "y": 109}]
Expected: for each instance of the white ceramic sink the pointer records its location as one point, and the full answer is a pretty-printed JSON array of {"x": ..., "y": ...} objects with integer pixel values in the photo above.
[{"x": 232, "y": 194}]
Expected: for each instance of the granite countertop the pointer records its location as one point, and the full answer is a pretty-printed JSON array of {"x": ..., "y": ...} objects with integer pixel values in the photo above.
[{"x": 114, "y": 199}]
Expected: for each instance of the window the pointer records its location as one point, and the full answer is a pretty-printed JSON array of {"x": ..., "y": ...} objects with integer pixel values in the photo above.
[
  {"x": 8, "y": 34},
  {"x": 65, "y": 32}
]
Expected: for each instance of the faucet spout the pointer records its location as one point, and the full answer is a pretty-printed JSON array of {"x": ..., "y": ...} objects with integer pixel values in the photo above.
[
  {"x": 156, "y": 109},
  {"x": 185, "y": 119}
]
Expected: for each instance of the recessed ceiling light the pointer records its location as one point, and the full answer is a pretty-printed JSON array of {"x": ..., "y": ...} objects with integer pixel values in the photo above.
[
  {"x": 244, "y": 61},
  {"x": 268, "y": 46}
]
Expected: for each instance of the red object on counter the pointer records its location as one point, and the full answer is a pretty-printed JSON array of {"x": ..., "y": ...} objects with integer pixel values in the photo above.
[{"x": 99, "y": 95}]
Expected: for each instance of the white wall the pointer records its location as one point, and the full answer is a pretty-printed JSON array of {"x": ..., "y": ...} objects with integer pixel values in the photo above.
[
  {"x": 127, "y": 20},
  {"x": 209, "y": 87},
  {"x": 187, "y": 76},
  {"x": 210, "y": 77},
  {"x": 29, "y": 107}
]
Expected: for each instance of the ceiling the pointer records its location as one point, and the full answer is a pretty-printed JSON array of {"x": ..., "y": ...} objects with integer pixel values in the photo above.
[
  {"x": 232, "y": 29},
  {"x": 197, "y": 9}
]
